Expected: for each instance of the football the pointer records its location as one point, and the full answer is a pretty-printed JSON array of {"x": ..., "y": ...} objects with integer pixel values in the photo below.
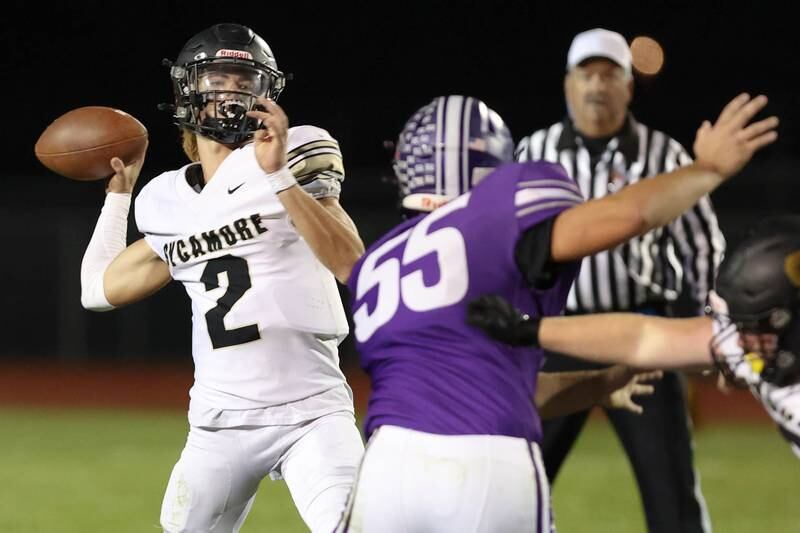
[{"x": 80, "y": 143}]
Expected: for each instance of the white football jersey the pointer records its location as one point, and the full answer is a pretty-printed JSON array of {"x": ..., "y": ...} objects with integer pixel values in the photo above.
[
  {"x": 781, "y": 403},
  {"x": 266, "y": 314}
]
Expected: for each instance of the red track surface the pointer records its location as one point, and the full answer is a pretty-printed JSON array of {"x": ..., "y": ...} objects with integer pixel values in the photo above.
[{"x": 139, "y": 386}]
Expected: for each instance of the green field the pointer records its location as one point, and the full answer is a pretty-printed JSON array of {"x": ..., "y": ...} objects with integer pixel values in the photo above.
[{"x": 104, "y": 471}]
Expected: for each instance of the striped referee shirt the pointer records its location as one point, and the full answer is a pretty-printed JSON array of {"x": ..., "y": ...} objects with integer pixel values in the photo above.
[{"x": 646, "y": 270}]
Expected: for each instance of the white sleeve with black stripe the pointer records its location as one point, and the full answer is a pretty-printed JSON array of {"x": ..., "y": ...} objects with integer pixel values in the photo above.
[
  {"x": 783, "y": 405},
  {"x": 316, "y": 161}
]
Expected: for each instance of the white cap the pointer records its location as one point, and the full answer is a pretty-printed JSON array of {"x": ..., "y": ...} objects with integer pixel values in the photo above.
[{"x": 599, "y": 43}]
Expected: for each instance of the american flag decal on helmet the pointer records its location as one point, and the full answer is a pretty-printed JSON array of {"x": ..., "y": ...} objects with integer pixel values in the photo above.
[{"x": 445, "y": 142}]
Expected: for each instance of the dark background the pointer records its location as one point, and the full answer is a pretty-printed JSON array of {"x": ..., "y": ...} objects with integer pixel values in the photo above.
[{"x": 359, "y": 71}]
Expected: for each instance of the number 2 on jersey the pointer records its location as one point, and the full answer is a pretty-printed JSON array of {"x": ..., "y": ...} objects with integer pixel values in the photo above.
[
  {"x": 238, "y": 283},
  {"x": 451, "y": 255}
]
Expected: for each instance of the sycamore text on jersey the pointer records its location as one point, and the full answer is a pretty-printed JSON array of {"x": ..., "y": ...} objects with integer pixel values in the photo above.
[{"x": 243, "y": 229}]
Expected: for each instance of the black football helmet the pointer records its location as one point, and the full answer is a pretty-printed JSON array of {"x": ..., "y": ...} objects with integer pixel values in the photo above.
[
  {"x": 759, "y": 285},
  {"x": 217, "y": 77}
]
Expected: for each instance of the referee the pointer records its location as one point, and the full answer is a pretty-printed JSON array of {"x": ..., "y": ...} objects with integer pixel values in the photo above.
[{"x": 604, "y": 148}]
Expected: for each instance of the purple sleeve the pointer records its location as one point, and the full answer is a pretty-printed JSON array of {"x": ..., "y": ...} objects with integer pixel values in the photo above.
[{"x": 543, "y": 191}]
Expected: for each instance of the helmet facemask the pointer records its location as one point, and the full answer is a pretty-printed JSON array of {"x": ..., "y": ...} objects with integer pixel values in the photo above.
[
  {"x": 213, "y": 96},
  {"x": 758, "y": 295},
  {"x": 749, "y": 349}
]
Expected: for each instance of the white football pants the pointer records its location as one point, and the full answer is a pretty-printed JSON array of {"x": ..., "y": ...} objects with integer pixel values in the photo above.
[
  {"x": 414, "y": 482},
  {"x": 213, "y": 484}
]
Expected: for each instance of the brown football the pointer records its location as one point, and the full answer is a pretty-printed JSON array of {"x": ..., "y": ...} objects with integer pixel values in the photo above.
[{"x": 80, "y": 143}]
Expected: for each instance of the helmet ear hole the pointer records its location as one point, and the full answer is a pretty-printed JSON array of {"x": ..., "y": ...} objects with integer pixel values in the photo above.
[{"x": 780, "y": 318}]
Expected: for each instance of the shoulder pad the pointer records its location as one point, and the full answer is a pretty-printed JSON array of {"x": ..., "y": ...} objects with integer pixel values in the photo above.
[{"x": 314, "y": 153}]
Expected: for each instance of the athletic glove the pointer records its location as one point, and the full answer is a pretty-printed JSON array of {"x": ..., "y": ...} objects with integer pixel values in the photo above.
[{"x": 502, "y": 321}]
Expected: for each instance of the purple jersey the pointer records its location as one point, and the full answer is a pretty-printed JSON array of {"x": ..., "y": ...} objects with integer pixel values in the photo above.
[{"x": 430, "y": 370}]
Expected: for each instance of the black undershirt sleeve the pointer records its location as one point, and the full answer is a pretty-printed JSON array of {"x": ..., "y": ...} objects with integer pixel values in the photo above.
[{"x": 532, "y": 256}]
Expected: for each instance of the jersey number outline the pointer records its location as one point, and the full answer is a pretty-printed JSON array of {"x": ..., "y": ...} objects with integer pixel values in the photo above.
[
  {"x": 411, "y": 289},
  {"x": 238, "y": 273}
]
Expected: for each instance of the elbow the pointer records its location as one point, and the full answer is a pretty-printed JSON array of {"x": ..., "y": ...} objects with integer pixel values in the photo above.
[
  {"x": 629, "y": 217},
  {"x": 652, "y": 215},
  {"x": 638, "y": 359},
  {"x": 342, "y": 274},
  {"x": 641, "y": 221},
  {"x": 642, "y": 355},
  {"x": 93, "y": 297},
  {"x": 345, "y": 266},
  {"x": 85, "y": 302},
  {"x": 347, "y": 261},
  {"x": 91, "y": 305},
  {"x": 636, "y": 213}
]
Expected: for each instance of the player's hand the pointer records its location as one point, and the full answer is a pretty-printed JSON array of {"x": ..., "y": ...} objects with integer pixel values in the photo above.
[
  {"x": 270, "y": 142},
  {"x": 726, "y": 146},
  {"x": 722, "y": 383},
  {"x": 502, "y": 321},
  {"x": 622, "y": 383},
  {"x": 124, "y": 178}
]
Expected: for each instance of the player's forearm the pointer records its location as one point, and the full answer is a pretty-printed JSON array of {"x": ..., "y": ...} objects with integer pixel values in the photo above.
[
  {"x": 113, "y": 274},
  {"x": 563, "y": 393},
  {"x": 604, "y": 223},
  {"x": 631, "y": 339},
  {"x": 661, "y": 199},
  {"x": 107, "y": 242},
  {"x": 326, "y": 228}
]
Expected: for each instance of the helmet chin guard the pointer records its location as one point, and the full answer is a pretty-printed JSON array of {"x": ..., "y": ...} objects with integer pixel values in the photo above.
[
  {"x": 758, "y": 297},
  {"x": 218, "y": 77},
  {"x": 739, "y": 368}
]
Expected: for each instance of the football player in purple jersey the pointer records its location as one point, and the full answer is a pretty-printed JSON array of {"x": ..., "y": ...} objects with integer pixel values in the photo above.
[
  {"x": 452, "y": 425},
  {"x": 752, "y": 333}
]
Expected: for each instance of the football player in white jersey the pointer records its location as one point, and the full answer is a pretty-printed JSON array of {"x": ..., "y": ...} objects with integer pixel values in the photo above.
[
  {"x": 254, "y": 231},
  {"x": 752, "y": 333}
]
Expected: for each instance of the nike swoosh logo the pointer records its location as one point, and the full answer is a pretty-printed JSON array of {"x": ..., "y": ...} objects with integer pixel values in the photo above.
[{"x": 231, "y": 191}]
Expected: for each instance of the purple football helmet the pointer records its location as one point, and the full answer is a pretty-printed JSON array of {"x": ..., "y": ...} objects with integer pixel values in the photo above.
[{"x": 446, "y": 148}]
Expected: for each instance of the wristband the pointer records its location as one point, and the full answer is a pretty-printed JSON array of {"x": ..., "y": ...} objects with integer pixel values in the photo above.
[
  {"x": 281, "y": 179},
  {"x": 527, "y": 331}
]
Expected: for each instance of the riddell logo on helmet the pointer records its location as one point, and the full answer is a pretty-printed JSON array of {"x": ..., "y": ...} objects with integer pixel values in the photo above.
[{"x": 238, "y": 54}]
